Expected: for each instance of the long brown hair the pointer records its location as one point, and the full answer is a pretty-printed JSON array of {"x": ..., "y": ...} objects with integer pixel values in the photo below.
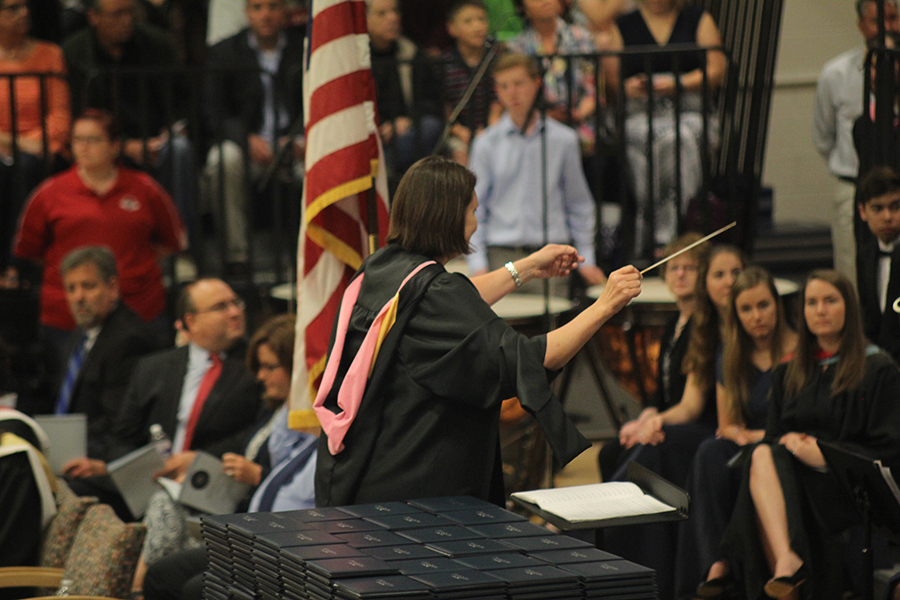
[
  {"x": 738, "y": 354},
  {"x": 851, "y": 357},
  {"x": 700, "y": 358}
]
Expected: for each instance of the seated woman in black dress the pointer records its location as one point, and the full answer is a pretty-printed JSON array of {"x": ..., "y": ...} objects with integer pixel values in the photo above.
[
  {"x": 836, "y": 389},
  {"x": 669, "y": 440},
  {"x": 680, "y": 275},
  {"x": 756, "y": 339},
  {"x": 410, "y": 403}
]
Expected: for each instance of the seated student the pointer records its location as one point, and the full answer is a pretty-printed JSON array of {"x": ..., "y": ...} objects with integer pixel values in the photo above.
[
  {"x": 835, "y": 388},
  {"x": 669, "y": 440},
  {"x": 467, "y": 23},
  {"x": 680, "y": 275},
  {"x": 274, "y": 452},
  {"x": 878, "y": 259},
  {"x": 26, "y": 491},
  {"x": 757, "y": 338}
]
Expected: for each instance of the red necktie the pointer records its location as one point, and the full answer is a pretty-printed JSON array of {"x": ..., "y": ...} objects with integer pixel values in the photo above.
[{"x": 206, "y": 386}]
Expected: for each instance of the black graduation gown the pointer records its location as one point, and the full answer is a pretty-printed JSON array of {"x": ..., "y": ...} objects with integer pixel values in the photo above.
[
  {"x": 428, "y": 424},
  {"x": 865, "y": 420}
]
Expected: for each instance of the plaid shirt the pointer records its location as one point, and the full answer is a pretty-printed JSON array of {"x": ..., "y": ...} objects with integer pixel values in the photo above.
[{"x": 457, "y": 75}]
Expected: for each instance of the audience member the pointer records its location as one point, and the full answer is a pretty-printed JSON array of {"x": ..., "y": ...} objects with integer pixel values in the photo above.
[
  {"x": 200, "y": 394},
  {"x": 878, "y": 260},
  {"x": 507, "y": 159},
  {"x": 407, "y": 89},
  {"x": 468, "y": 25},
  {"x": 148, "y": 104},
  {"x": 41, "y": 109},
  {"x": 668, "y": 441},
  {"x": 568, "y": 91},
  {"x": 680, "y": 275},
  {"x": 834, "y": 389},
  {"x": 26, "y": 493},
  {"x": 504, "y": 19},
  {"x": 676, "y": 79},
  {"x": 104, "y": 349},
  {"x": 98, "y": 202},
  {"x": 874, "y": 144},
  {"x": 838, "y": 105},
  {"x": 757, "y": 338},
  {"x": 278, "y": 462},
  {"x": 253, "y": 96},
  {"x": 599, "y": 16}
]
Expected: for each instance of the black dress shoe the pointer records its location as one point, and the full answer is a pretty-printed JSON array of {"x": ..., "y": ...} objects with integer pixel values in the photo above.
[
  {"x": 782, "y": 587},
  {"x": 718, "y": 587}
]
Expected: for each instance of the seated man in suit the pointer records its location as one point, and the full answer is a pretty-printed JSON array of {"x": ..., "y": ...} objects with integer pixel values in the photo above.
[
  {"x": 252, "y": 96},
  {"x": 104, "y": 349},
  {"x": 878, "y": 259},
  {"x": 201, "y": 394}
]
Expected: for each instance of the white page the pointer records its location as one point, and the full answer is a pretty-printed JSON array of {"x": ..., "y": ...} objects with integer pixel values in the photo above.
[{"x": 596, "y": 501}]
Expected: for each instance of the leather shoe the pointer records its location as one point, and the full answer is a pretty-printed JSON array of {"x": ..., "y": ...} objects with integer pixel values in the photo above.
[
  {"x": 718, "y": 587},
  {"x": 782, "y": 587}
]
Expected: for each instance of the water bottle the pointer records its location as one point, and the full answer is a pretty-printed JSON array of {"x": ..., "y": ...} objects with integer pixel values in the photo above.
[{"x": 159, "y": 439}]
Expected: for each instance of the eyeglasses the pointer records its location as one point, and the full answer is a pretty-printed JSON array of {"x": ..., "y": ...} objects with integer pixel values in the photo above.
[
  {"x": 268, "y": 367},
  {"x": 222, "y": 306}
]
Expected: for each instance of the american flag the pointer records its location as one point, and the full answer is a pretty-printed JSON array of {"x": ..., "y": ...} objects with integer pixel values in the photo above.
[{"x": 343, "y": 153}]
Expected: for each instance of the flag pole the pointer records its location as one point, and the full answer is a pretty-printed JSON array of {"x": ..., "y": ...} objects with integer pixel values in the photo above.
[{"x": 372, "y": 210}]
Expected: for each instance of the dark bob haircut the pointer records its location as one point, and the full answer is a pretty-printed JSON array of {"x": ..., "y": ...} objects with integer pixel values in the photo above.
[{"x": 428, "y": 215}]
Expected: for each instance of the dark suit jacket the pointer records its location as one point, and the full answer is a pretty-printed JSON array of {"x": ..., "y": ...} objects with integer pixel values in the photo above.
[
  {"x": 881, "y": 329},
  {"x": 233, "y": 91},
  {"x": 228, "y": 418},
  {"x": 103, "y": 379},
  {"x": 121, "y": 94}
]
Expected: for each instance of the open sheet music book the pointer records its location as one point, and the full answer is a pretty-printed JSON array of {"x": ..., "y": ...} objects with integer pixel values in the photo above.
[{"x": 596, "y": 502}]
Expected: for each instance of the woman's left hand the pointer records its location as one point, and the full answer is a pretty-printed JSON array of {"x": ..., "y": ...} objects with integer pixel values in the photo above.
[
  {"x": 553, "y": 260},
  {"x": 240, "y": 469},
  {"x": 805, "y": 448}
]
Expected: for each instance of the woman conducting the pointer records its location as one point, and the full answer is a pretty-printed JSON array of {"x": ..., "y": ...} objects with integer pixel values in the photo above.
[
  {"x": 790, "y": 507},
  {"x": 419, "y": 363}
]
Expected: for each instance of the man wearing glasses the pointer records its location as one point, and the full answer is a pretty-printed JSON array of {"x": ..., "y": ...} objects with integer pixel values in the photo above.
[{"x": 201, "y": 394}]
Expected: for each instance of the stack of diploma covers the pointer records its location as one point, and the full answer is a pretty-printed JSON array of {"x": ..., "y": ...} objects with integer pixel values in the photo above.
[{"x": 453, "y": 548}]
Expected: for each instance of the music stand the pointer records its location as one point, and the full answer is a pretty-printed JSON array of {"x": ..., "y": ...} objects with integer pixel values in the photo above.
[
  {"x": 875, "y": 494},
  {"x": 650, "y": 483}
]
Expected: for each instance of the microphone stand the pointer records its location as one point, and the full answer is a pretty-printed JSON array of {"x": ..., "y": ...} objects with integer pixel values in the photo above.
[
  {"x": 486, "y": 60},
  {"x": 540, "y": 107}
]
